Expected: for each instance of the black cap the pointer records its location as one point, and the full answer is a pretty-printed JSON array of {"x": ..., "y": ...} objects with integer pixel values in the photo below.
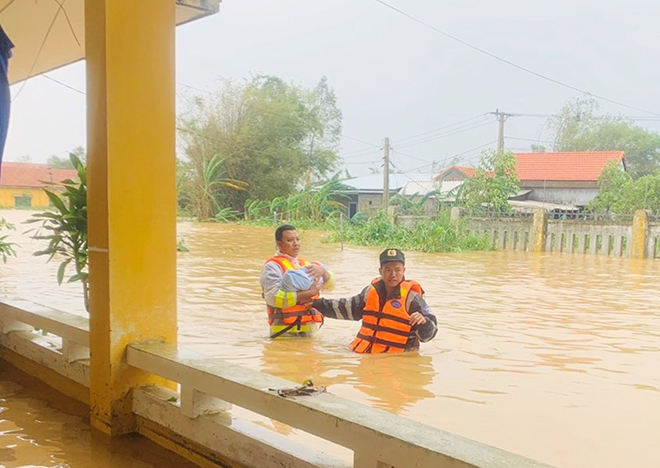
[{"x": 392, "y": 255}]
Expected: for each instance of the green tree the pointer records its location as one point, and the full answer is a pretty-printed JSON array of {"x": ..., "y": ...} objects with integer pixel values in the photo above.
[
  {"x": 619, "y": 193},
  {"x": 199, "y": 185},
  {"x": 578, "y": 127},
  {"x": 65, "y": 163},
  {"x": 494, "y": 182},
  {"x": 270, "y": 133}
]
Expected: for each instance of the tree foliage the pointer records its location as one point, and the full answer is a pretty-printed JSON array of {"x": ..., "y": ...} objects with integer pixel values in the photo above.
[
  {"x": 494, "y": 182},
  {"x": 621, "y": 194},
  {"x": 272, "y": 136},
  {"x": 65, "y": 163},
  {"x": 578, "y": 127},
  {"x": 6, "y": 247}
]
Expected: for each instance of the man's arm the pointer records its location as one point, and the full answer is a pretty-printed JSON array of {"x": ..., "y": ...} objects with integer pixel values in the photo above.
[
  {"x": 349, "y": 308},
  {"x": 428, "y": 328},
  {"x": 271, "y": 280}
]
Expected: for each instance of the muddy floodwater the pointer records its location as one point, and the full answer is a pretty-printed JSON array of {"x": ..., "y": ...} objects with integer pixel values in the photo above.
[{"x": 552, "y": 356}]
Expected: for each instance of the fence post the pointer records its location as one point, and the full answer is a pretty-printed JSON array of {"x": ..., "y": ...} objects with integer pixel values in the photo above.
[
  {"x": 640, "y": 229},
  {"x": 539, "y": 229},
  {"x": 455, "y": 213}
]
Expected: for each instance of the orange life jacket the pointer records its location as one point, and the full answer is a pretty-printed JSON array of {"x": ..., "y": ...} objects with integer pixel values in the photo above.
[
  {"x": 386, "y": 330},
  {"x": 298, "y": 313}
]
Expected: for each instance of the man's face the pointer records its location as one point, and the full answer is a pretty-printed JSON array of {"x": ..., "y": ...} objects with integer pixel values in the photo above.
[
  {"x": 290, "y": 243},
  {"x": 392, "y": 273}
]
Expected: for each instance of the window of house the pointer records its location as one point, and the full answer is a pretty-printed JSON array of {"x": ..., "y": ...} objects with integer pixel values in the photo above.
[{"x": 22, "y": 201}]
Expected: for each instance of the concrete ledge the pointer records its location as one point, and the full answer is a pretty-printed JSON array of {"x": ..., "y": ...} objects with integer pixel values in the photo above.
[
  {"x": 69, "y": 326},
  {"x": 241, "y": 442},
  {"x": 360, "y": 428}
]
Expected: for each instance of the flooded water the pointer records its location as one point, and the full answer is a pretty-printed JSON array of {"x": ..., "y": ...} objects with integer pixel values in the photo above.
[{"x": 556, "y": 357}]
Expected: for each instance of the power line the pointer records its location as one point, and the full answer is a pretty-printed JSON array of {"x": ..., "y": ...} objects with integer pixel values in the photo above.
[
  {"x": 440, "y": 128},
  {"x": 447, "y": 134},
  {"x": 534, "y": 140},
  {"x": 510, "y": 63},
  {"x": 64, "y": 84}
]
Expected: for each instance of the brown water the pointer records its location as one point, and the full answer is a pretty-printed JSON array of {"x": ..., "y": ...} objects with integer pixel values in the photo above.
[{"x": 556, "y": 357}]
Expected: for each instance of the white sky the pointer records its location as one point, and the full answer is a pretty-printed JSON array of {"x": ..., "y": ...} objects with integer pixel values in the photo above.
[{"x": 394, "y": 77}]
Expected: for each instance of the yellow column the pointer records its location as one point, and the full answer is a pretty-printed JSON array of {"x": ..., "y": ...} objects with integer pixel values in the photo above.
[
  {"x": 539, "y": 230},
  {"x": 132, "y": 195},
  {"x": 640, "y": 230}
]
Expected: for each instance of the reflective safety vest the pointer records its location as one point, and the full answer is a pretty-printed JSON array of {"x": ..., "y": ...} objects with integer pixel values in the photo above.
[
  {"x": 386, "y": 330},
  {"x": 298, "y": 319}
]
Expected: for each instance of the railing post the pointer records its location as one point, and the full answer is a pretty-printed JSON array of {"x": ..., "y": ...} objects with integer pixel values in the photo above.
[
  {"x": 194, "y": 402},
  {"x": 539, "y": 229},
  {"x": 640, "y": 229}
]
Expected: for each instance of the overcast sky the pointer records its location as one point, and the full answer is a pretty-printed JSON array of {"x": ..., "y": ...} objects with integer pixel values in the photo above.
[{"x": 395, "y": 77}]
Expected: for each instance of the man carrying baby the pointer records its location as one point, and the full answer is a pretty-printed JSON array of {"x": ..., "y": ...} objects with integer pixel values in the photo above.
[{"x": 283, "y": 277}]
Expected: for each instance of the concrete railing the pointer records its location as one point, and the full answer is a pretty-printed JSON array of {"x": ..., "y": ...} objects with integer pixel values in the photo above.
[
  {"x": 53, "y": 339},
  {"x": 205, "y": 413},
  {"x": 378, "y": 439}
]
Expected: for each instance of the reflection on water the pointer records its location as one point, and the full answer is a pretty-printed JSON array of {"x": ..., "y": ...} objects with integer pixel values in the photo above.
[{"x": 551, "y": 356}]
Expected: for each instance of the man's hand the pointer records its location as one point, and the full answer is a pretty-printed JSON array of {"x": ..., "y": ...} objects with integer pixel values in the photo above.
[
  {"x": 416, "y": 318},
  {"x": 317, "y": 271}
]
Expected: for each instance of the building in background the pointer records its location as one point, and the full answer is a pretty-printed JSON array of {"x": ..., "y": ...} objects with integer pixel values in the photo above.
[{"x": 22, "y": 184}]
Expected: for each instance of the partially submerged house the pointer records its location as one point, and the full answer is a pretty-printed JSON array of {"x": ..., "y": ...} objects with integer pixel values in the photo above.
[
  {"x": 22, "y": 184},
  {"x": 566, "y": 180},
  {"x": 365, "y": 194}
]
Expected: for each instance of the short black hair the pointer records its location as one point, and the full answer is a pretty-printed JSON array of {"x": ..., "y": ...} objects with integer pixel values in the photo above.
[{"x": 280, "y": 230}]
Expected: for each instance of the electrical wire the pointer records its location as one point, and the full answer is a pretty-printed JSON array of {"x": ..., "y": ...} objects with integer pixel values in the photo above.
[{"x": 512, "y": 64}]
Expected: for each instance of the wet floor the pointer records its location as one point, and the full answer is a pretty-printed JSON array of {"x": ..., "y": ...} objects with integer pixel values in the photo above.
[{"x": 551, "y": 356}]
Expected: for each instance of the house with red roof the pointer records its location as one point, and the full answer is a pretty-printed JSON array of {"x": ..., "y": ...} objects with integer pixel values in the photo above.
[
  {"x": 22, "y": 184},
  {"x": 567, "y": 178}
]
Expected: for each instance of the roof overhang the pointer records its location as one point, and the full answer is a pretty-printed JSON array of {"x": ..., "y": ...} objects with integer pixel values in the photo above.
[{"x": 47, "y": 36}]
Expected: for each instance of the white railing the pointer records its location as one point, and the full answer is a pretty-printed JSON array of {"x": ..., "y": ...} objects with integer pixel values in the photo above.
[
  {"x": 52, "y": 338},
  {"x": 378, "y": 439},
  {"x": 202, "y": 411}
]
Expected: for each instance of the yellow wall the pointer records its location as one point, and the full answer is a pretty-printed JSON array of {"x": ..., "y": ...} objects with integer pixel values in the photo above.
[{"x": 7, "y": 194}]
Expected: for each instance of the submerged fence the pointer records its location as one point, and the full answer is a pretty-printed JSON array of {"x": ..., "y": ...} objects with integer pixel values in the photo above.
[{"x": 635, "y": 236}]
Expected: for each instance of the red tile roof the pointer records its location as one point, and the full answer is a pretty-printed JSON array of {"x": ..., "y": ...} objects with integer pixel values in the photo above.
[
  {"x": 33, "y": 175},
  {"x": 468, "y": 171},
  {"x": 577, "y": 166}
]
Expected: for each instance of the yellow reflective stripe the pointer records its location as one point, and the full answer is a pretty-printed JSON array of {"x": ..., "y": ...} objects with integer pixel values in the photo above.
[
  {"x": 331, "y": 281},
  {"x": 288, "y": 265},
  {"x": 291, "y": 298},
  {"x": 279, "y": 299}
]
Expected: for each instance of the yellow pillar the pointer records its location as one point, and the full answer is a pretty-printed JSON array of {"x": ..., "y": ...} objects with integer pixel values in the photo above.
[
  {"x": 132, "y": 195},
  {"x": 640, "y": 230},
  {"x": 539, "y": 230}
]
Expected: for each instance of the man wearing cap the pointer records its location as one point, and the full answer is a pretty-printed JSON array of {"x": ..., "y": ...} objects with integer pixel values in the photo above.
[{"x": 395, "y": 316}]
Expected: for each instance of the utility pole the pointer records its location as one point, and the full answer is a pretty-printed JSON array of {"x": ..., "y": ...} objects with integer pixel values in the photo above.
[
  {"x": 386, "y": 174},
  {"x": 501, "y": 118}
]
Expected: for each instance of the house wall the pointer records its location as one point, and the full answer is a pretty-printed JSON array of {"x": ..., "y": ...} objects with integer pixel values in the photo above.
[
  {"x": 370, "y": 203},
  {"x": 564, "y": 196},
  {"x": 39, "y": 199}
]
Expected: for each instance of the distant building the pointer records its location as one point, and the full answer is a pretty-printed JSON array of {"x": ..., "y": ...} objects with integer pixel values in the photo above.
[
  {"x": 22, "y": 184},
  {"x": 564, "y": 178},
  {"x": 568, "y": 178},
  {"x": 365, "y": 194}
]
